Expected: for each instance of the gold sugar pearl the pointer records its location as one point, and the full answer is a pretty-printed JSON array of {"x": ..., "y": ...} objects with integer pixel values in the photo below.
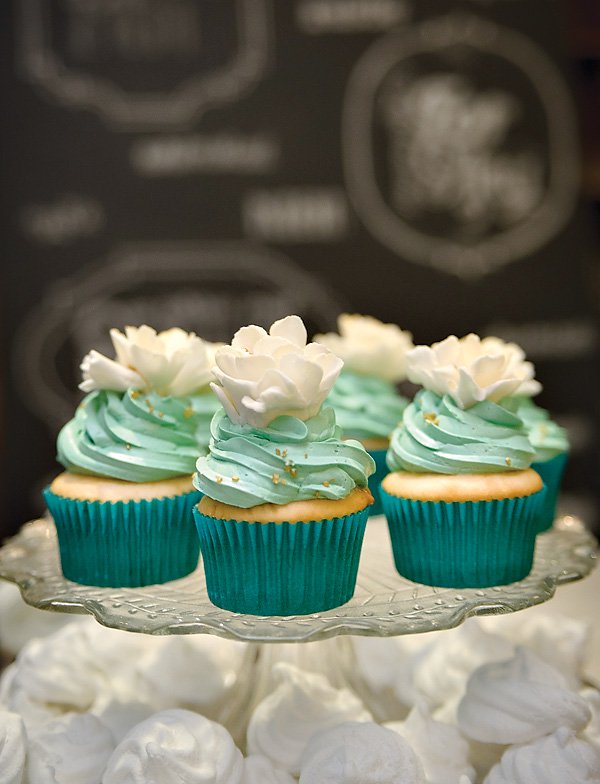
[
  {"x": 188, "y": 412},
  {"x": 219, "y": 479},
  {"x": 432, "y": 418},
  {"x": 135, "y": 394},
  {"x": 326, "y": 484},
  {"x": 275, "y": 479},
  {"x": 508, "y": 461},
  {"x": 278, "y": 452},
  {"x": 235, "y": 479}
]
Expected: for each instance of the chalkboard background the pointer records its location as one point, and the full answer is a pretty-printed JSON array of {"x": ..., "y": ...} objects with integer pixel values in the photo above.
[{"x": 210, "y": 164}]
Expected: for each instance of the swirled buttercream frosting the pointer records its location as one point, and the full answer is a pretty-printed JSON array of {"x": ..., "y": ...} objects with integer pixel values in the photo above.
[
  {"x": 547, "y": 437},
  {"x": 365, "y": 406},
  {"x": 288, "y": 460},
  {"x": 438, "y": 436},
  {"x": 134, "y": 436}
]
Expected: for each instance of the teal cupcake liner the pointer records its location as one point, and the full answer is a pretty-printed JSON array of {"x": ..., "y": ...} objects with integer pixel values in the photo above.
[
  {"x": 381, "y": 471},
  {"x": 125, "y": 544},
  {"x": 551, "y": 472},
  {"x": 475, "y": 544},
  {"x": 281, "y": 568}
]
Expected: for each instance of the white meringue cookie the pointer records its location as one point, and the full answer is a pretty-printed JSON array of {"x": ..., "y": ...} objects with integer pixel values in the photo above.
[
  {"x": 557, "y": 639},
  {"x": 592, "y": 731},
  {"x": 440, "y": 747},
  {"x": 388, "y": 662},
  {"x": 441, "y": 673},
  {"x": 360, "y": 753},
  {"x": 260, "y": 770},
  {"x": 21, "y": 622},
  {"x": 303, "y": 704},
  {"x": 121, "y": 716},
  {"x": 519, "y": 700},
  {"x": 560, "y": 758},
  {"x": 172, "y": 670},
  {"x": 69, "y": 750},
  {"x": 176, "y": 747},
  {"x": 13, "y": 748}
]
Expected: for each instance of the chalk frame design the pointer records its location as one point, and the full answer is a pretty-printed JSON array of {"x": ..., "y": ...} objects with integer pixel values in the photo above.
[
  {"x": 491, "y": 254},
  {"x": 176, "y": 109}
]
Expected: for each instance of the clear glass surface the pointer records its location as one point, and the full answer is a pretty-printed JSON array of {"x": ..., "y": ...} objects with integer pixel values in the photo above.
[{"x": 384, "y": 603}]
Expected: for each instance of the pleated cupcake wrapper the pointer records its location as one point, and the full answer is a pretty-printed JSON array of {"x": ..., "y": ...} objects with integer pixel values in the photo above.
[
  {"x": 475, "y": 544},
  {"x": 551, "y": 472},
  {"x": 381, "y": 471},
  {"x": 125, "y": 544},
  {"x": 281, "y": 568}
]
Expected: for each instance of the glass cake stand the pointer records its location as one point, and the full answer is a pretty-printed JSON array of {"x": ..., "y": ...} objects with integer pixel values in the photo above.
[{"x": 384, "y": 603}]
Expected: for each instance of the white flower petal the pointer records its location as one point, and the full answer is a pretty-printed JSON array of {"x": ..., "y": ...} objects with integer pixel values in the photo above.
[
  {"x": 100, "y": 372},
  {"x": 246, "y": 337},
  {"x": 291, "y": 328}
]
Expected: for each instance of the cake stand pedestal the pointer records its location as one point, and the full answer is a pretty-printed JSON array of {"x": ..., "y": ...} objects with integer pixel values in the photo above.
[{"x": 384, "y": 604}]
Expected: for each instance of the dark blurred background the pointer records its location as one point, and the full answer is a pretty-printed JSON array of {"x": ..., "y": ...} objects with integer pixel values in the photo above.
[{"x": 210, "y": 163}]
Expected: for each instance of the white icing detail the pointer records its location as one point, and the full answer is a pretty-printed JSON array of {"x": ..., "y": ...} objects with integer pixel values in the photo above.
[
  {"x": 262, "y": 376},
  {"x": 13, "y": 748},
  {"x": 303, "y": 704},
  {"x": 471, "y": 370},
  {"x": 69, "y": 750},
  {"x": 260, "y": 770},
  {"x": 173, "y": 362},
  {"x": 370, "y": 347},
  {"x": 519, "y": 700},
  {"x": 176, "y": 747},
  {"x": 560, "y": 758},
  {"x": 360, "y": 753},
  {"x": 440, "y": 747}
]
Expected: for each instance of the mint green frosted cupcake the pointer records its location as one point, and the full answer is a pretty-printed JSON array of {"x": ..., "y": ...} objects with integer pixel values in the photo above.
[
  {"x": 366, "y": 401},
  {"x": 461, "y": 499},
  {"x": 285, "y": 500},
  {"x": 123, "y": 507},
  {"x": 551, "y": 445}
]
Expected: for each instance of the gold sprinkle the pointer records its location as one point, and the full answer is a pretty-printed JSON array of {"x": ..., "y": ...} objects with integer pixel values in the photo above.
[
  {"x": 235, "y": 479},
  {"x": 284, "y": 453},
  {"x": 219, "y": 479},
  {"x": 161, "y": 414},
  {"x": 127, "y": 446},
  {"x": 508, "y": 461},
  {"x": 188, "y": 412},
  {"x": 432, "y": 418},
  {"x": 275, "y": 479},
  {"x": 293, "y": 472},
  {"x": 326, "y": 484},
  {"x": 278, "y": 452},
  {"x": 306, "y": 455},
  {"x": 135, "y": 394}
]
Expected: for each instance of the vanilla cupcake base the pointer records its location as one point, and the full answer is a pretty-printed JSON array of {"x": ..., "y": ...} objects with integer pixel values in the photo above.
[
  {"x": 466, "y": 531},
  {"x": 123, "y": 534},
  {"x": 292, "y": 559}
]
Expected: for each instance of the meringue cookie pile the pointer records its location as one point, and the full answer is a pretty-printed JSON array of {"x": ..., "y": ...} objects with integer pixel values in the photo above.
[{"x": 491, "y": 702}]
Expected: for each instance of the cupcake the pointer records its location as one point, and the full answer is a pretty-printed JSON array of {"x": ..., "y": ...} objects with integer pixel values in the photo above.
[
  {"x": 365, "y": 399},
  {"x": 462, "y": 501},
  {"x": 123, "y": 506},
  {"x": 285, "y": 500}
]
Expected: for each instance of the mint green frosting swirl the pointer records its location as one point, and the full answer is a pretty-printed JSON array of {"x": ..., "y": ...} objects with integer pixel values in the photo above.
[
  {"x": 290, "y": 460},
  {"x": 365, "y": 406},
  {"x": 547, "y": 437},
  {"x": 137, "y": 437},
  {"x": 439, "y": 437}
]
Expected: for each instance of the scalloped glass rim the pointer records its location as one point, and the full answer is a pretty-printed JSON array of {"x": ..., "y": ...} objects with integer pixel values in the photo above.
[{"x": 384, "y": 603}]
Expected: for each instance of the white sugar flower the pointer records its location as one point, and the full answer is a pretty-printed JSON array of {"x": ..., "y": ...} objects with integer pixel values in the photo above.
[
  {"x": 370, "y": 347},
  {"x": 530, "y": 386},
  {"x": 265, "y": 375},
  {"x": 470, "y": 369},
  {"x": 173, "y": 362}
]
